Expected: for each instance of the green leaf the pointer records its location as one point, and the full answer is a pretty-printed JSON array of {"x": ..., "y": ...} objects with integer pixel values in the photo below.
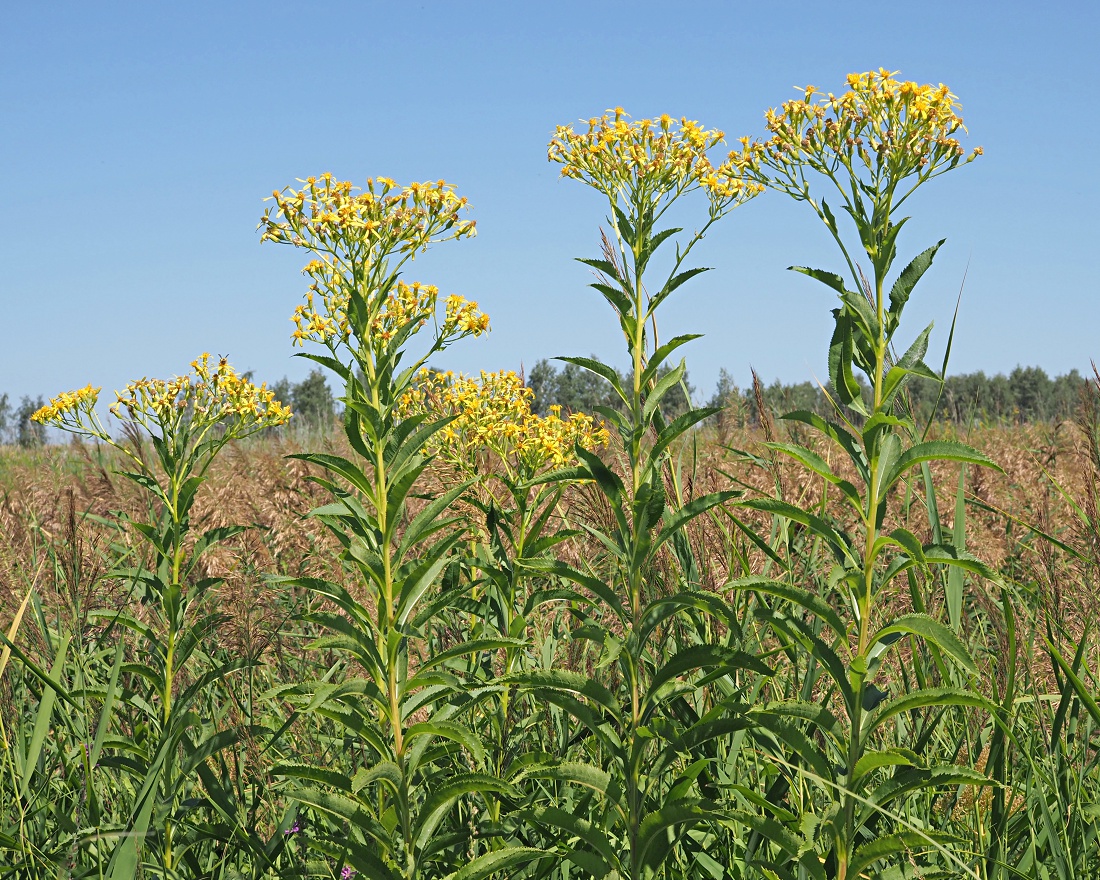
[
  {"x": 907, "y": 280},
  {"x": 43, "y": 719},
  {"x": 874, "y": 759},
  {"x": 1088, "y": 700},
  {"x": 423, "y": 577},
  {"x": 841, "y": 355},
  {"x": 841, "y": 548},
  {"x": 383, "y": 771},
  {"x": 600, "y": 369},
  {"x": 498, "y": 860},
  {"x": 571, "y": 682},
  {"x": 605, "y": 266},
  {"x": 669, "y": 286},
  {"x": 675, "y": 521},
  {"x": 575, "y": 772},
  {"x": 814, "y": 462},
  {"x": 452, "y": 731},
  {"x": 444, "y": 797},
  {"x": 600, "y": 860},
  {"x": 838, "y": 435},
  {"x": 653, "y": 827},
  {"x": 829, "y": 279},
  {"x": 802, "y": 598},
  {"x": 312, "y": 773},
  {"x": 932, "y": 631},
  {"x": 795, "y": 739},
  {"x": 696, "y": 658},
  {"x": 889, "y": 845},
  {"x": 937, "y": 450},
  {"x": 665, "y": 384},
  {"x": 922, "y": 699},
  {"x": 661, "y": 355},
  {"x": 569, "y": 573},
  {"x": 945, "y": 554}
]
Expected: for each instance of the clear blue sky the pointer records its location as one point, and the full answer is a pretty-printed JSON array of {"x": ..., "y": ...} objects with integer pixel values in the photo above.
[{"x": 140, "y": 139}]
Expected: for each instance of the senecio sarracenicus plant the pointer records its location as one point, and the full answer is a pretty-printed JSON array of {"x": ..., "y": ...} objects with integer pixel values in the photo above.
[
  {"x": 638, "y": 745},
  {"x": 870, "y": 148},
  {"x": 514, "y": 457},
  {"x": 402, "y": 710},
  {"x": 189, "y": 420}
]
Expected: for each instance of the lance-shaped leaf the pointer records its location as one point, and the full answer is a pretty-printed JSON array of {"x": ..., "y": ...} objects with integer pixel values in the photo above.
[
  {"x": 893, "y": 845},
  {"x": 498, "y": 860},
  {"x": 600, "y": 369},
  {"x": 671, "y": 285},
  {"x": 676, "y": 520},
  {"x": 443, "y": 799},
  {"x": 936, "y": 450},
  {"x": 661, "y": 355},
  {"x": 932, "y": 631},
  {"x": 922, "y": 699},
  {"x": 806, "y": 600},
  {"x": 906, "y": 281},
  {"x": 838, "y": 435}
]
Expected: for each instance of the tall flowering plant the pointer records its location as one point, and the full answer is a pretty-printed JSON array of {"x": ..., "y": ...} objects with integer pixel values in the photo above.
[
  {"x": 514, "y": 458},
  {"x": 401, "y": 712},
  {"x": 640, "y": 745},
  {"x": 159, "y": 693},
  {"x": 870, "y": 148}
]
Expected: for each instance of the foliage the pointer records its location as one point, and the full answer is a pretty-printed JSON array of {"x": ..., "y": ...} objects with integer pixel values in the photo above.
[{"x": 144, "y": 715}]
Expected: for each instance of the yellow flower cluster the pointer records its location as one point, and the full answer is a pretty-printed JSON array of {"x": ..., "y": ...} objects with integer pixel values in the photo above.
[
  {"x": 891, "y": 127},
  {"x": 493, "y": 413},
  {"x": 461, "y": 317},
  {"x": 211, "y": 393},
  {"x": 353, "y": 233},
  {"x": 361, "y": 225},
  {"x": 67, "y": 404},
  {"x": 408, "y": 306},
  {"x": 652, "y": 158}
]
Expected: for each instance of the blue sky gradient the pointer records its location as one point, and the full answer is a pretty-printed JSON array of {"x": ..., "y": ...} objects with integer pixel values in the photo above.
[{"x": 140, "y": 140}]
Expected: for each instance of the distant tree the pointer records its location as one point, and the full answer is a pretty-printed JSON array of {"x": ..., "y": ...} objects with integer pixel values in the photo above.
[
  {"x": 313, "y": 402},
  {"x": 1031, "y": 391},
  {"x": 1027, "y": 394},
  {"x": 1066, "y": 397},
  {"x": 573, "y": 388},
  {"x": 311, "y": 399},
  {"x": 27, "y": 433},
  {"x": 5, "y": 417}
]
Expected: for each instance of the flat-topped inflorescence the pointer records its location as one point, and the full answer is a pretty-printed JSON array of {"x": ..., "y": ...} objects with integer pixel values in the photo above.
[
  {"x": 653, "y": 160},
  {"x": 213, "y": 394},
  {"x": 360, "y": 239},
  {"x": 882, "y": 128}
]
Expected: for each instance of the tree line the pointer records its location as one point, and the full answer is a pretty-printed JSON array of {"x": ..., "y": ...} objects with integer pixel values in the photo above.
[{"x": 1026, "y": 395}]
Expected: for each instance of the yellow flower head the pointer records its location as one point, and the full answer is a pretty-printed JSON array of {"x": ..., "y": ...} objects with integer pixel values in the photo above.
[
  {"x": 213, "y": 393},
  {"x": 350, "y": 224},
  {"x": 891, "y": 129},
  {"x": 68, "y": 407},
  {"x": 354, "y": 233},
  {"x": 492, "y": 414},
  {"x": 651, "y": 159}
]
